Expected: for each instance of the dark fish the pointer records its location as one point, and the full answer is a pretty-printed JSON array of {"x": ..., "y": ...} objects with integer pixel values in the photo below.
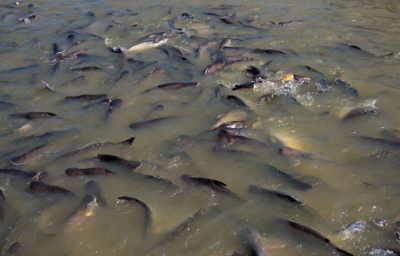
[
  {"x": 311, "y": 232},
  {"x": 87, "y": 97},
  {"x": 43, "y": 135},
  {"x": 224, "y": 136},
  {"x": 358, "y": 112},
  {"x": 354, "y": 229},
  {"x": 385, "y": 154},
  {"x": 88, "y": 68},
  {"x": 15, "y": 70},
  {"x": 313, "y": 70},
  {"x": 249, "y": 85},
  {"x": 75, "y": 55},
  {"x": 27, "y": 18},
  {"x": 146, "y": 123},
  {"x": 214, "y": 67},
  {"x": 123, "y": 74},
  {"x": 268, "y": 51},
  {"x": 4, "y": 207},
  {"x": 87, "y": 171},
  {"x": 285, "y": 23},
  {"x": 78, "y": 78},
  {"x": 155, "y": 72},
  {"x": 133, "y": 165},
  {"x": 236, "y": 101},
  {"x": 14, "y": 248},
  {"x": 22, "y": 174},
  {"x": 146, "y": 208},
  {"x": 6, "y": 105},
  {"x": 33, "y": 115},
  {"x": 299, "y": 185},
  {"x": 57, "y": 49},
  {"x": 253, "y": 70},
  {"x": 21, "y": 159},
  {"x": 215, "y": 185},
  {"x": 224, "y": 150},
  {"x": 252, "y": 238},
  {"x": 226, "y": 21},
  {"x": 172, "y": 86},
  {"x": 298, "y": 154},
  {"x": 345, "y": 86},
  {"x": 41, "y": 188},
  {"x": 97, "y": 145},
  {"x": 382, "y": 141},
  {"x": 212, "y": 14},
  {"x": 93, "y": 187},
  {"x": 116, "y": 103},
  {"x": 388, "y": 134},
  {"x": 253, "y": 188},
  {"x": 184, "y": 226},
  {"x": 270, "y": 97}
]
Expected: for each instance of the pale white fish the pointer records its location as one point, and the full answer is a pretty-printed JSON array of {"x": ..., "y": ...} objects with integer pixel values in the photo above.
[{"x": 147, "y": 45}]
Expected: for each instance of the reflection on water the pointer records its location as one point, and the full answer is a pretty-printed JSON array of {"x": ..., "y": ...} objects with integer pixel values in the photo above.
[{"x": 248, "y": 128}]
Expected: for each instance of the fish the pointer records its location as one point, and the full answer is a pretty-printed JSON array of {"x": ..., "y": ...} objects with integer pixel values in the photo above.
[
  {"x": 285, "y": 23},
  {"x": 344, "y": 86},
  {"x": 298, "y": 154},
  {"x": 218, "y": 64},
  {"x": 19, "y": 69},
  {"x": 47, "y": 86},
  {"x": 43, "y": 135},
  {"x": 386, "y": 154},
  {"x": 84, "y": 210},
  {"x": 93, "y": 187},
  {"x": 4, "y": 207},
  {"x": 146, "y": 123},
  {"x": 214, "y": 185},
  {"x": 155, "y": 72},
  {"x": 299, "y": 185},
  {"x": 74, "y": 55},
  {"x": 184, "y": 226},
  {"x": 22, "y": 159},
  {"x": 252, "y": 238},
  {"x": 172, "y": 86},
  {"x": 76, "y": 79},
  {"x": 382, "y": 141},
  {"x": 116, "y": 103},
  {"x": 87, "y": 97},
  {"x": 249, "y": 85},
  {"x": 27, "y": 18},
  {"x": 255, "y": 189},
  {"x": 14, "y": 248},
  {"x": 97, "y": 145},
  {"x": 41, "y": 188},
  {"x": 87, "y": 68},
  {"x": 87, "y": 171},
  {"x": 358, "y": 112},
  {"x": 23, "y": 174},
  {"x": 224, "y": 136},
  {"x": 353, "y": 229},
  {"x": 148, "y": 213},
  {"x": 123, "y": 74},
  {"x": 33, "y": 115},
  {"x": 269, "y": 51},
  {"x": 236, "y": 101},
  {"x": 132, "y": 165},
  {"x": 311, "y": 232},
  {"x": 152, "y": 35},
  {"x": 147, "y": 45}
]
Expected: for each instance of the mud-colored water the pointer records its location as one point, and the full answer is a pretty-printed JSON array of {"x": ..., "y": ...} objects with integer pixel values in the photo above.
[{"x": 341, "y": 182}]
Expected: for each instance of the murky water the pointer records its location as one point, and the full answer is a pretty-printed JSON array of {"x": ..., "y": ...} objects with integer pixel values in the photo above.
[{"x": 344, "y": 180}]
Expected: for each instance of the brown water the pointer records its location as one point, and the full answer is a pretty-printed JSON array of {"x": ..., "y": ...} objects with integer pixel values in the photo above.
[{"x": 350, "y": 186}]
